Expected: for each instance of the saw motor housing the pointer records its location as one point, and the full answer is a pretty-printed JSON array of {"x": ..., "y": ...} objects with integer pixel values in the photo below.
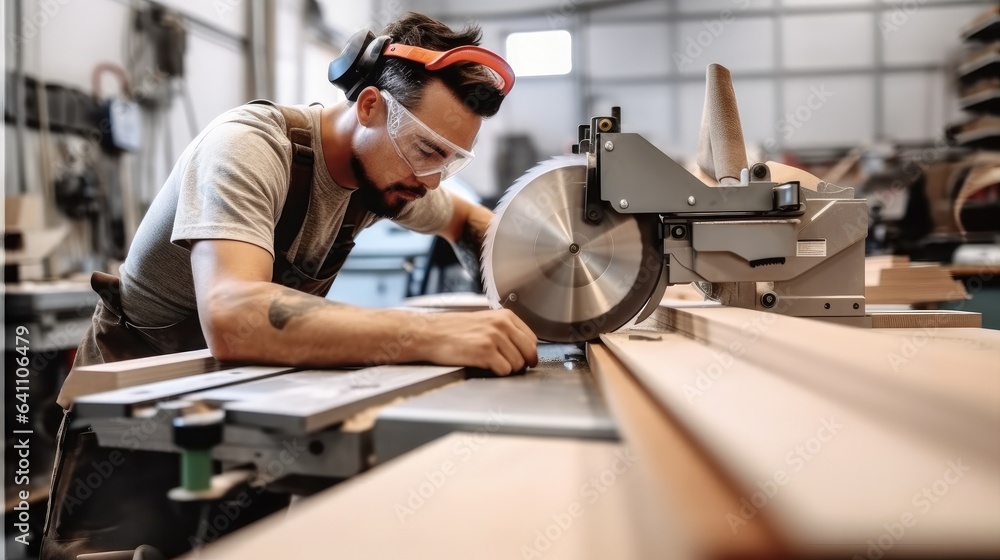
[{"x": 779, "y": 247}]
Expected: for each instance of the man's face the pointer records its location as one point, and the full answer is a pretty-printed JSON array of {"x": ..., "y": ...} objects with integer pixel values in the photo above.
[{"x": 386, "y": 181}]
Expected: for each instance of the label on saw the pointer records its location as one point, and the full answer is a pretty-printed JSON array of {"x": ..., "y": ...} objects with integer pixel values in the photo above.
[{"x": 810, "y": 248}]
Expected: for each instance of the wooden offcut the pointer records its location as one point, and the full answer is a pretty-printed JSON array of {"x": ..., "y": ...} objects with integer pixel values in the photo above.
[
  {"x": 925, "y": 319},
  {"x": 98, "y": 378},
  {"x": 894, "y": 279}
]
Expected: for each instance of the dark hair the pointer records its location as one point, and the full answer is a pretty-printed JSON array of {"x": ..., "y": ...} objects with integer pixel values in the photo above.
[{"x": 472, "y": 84}]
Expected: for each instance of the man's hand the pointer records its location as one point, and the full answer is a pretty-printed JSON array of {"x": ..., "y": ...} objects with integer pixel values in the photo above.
[{"x": 495, "y": 340}]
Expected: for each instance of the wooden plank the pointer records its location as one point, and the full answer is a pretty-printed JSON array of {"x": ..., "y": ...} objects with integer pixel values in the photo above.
[
  {"x": 953, "y": 290},
  {"x": 988, "y": 271},
  {"x": 896, "y": 280},
  {"x": 971, "y": 337},
  {"x": 925, "y": 319},
  {"x": 763, "y": 396},
  {"x": 680, "y": 471},
  {"x": 949, "y": 386},
  {"x": 474, "y": 495},
  {"x": 129, "y": 373}
]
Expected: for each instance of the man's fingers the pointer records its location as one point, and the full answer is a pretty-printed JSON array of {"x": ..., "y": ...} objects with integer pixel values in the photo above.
[
  {"x": 525, "y": 339},
  {"x": 522, "y": 326},
  {"x": 498, "y": 364},
  {"x": 527, "y": 347},
  {"x": 511, "y": 353}
]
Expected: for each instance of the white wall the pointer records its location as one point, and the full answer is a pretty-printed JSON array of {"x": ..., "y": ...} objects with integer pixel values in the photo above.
[
  {"x": 544, "y": 108},
  {"x": 302, "y": 59}
]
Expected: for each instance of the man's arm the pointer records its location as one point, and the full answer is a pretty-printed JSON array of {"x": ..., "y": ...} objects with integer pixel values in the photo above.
[
  {"x": 247, "y": 318},
  {"x": 466, "y": 230}
]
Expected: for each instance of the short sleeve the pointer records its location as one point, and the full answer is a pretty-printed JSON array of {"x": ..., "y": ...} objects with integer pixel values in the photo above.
[{"x": 233, "y": 186}]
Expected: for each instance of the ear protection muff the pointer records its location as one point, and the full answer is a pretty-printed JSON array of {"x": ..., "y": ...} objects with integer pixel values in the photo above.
[
  {"x": 360, "y": 64},
  {"x": 362, "y": 61}
]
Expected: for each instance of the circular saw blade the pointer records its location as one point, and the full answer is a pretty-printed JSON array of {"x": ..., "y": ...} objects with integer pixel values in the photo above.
[{"x": 567, "y": 278}]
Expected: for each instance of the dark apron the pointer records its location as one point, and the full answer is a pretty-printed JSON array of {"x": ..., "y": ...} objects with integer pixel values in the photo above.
[{"x": 104, "y": 499}]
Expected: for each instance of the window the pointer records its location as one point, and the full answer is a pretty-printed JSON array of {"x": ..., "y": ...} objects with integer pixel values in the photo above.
[{"x": 540, "y": 53}]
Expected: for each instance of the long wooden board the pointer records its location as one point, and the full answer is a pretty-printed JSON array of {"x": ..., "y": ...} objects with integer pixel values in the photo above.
[
  {"x": 835, "y": 444},
  {"x": 476, "y": 495},
  {"x": 680, "y": 472},
  {"x": 922, "y": 377}
]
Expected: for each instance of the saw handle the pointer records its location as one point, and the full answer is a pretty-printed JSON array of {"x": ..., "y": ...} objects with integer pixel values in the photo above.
[{"x": 721, "y": 151}]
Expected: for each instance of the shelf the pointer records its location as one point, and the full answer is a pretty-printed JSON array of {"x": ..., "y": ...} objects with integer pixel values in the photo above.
[
  {"x": 983, "y": 31},
  {"x": 967, "y": 270},
  {"x": 983, "y": 138},
  {"x": 986, "y": 66},
  {"x": 982, "y": 102}
]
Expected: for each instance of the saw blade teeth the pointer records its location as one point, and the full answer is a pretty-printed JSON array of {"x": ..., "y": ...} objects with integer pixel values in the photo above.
[{"x": 486, "y": 264}]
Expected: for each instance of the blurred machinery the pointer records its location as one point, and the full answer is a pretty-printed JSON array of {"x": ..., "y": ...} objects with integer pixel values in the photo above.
[{"x": 390, "y": 263}]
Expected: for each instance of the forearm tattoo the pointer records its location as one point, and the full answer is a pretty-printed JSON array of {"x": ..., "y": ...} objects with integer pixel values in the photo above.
[
  {"x": 469, "y": 250},
  {"x": 290, "y": 303}
]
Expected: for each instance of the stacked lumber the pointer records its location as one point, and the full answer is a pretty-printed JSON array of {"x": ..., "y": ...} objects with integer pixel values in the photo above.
[
  {"x": 894, "y": 279},
  {"x": 813, "y": 439}
]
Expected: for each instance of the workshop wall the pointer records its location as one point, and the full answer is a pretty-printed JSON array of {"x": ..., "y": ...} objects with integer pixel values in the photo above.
[
  {"x": 810, "y": 75},
  {"x": 62, "y": 42},
  {"x": 83, "y": 33},
  {"x": 228, "y": 61}
]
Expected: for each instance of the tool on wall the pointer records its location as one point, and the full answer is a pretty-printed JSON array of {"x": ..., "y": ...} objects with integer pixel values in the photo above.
[
  {"x": 154, "y": 53},
  {"x": 120, "y": 117}
]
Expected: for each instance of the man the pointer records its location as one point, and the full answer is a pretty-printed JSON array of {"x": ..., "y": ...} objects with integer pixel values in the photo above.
[{"x": 234, "y": 257}]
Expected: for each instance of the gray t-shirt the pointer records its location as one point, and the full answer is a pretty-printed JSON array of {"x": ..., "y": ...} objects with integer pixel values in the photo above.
[{"x": 231, "y": 183}]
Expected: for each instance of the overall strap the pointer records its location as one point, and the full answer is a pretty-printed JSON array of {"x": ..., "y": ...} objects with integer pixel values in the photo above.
[{"x": 298, "y": 128}]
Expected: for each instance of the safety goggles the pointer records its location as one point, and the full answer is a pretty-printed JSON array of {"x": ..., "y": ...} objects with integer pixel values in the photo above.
[{"x": 425, "y": 151}]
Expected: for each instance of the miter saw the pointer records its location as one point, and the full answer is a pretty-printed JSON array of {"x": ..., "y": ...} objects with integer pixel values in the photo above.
[{"x": 584, "y": 244}]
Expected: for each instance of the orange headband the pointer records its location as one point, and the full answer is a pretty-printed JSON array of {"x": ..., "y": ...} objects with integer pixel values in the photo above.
[{"x": 436, "y": 60}]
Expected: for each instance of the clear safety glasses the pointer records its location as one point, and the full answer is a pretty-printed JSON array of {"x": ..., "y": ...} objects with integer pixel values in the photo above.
[{"x": 426, "y": 151}]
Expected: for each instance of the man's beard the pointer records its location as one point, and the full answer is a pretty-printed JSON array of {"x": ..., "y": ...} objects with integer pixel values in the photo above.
[{"x": 375, "y": 200}]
